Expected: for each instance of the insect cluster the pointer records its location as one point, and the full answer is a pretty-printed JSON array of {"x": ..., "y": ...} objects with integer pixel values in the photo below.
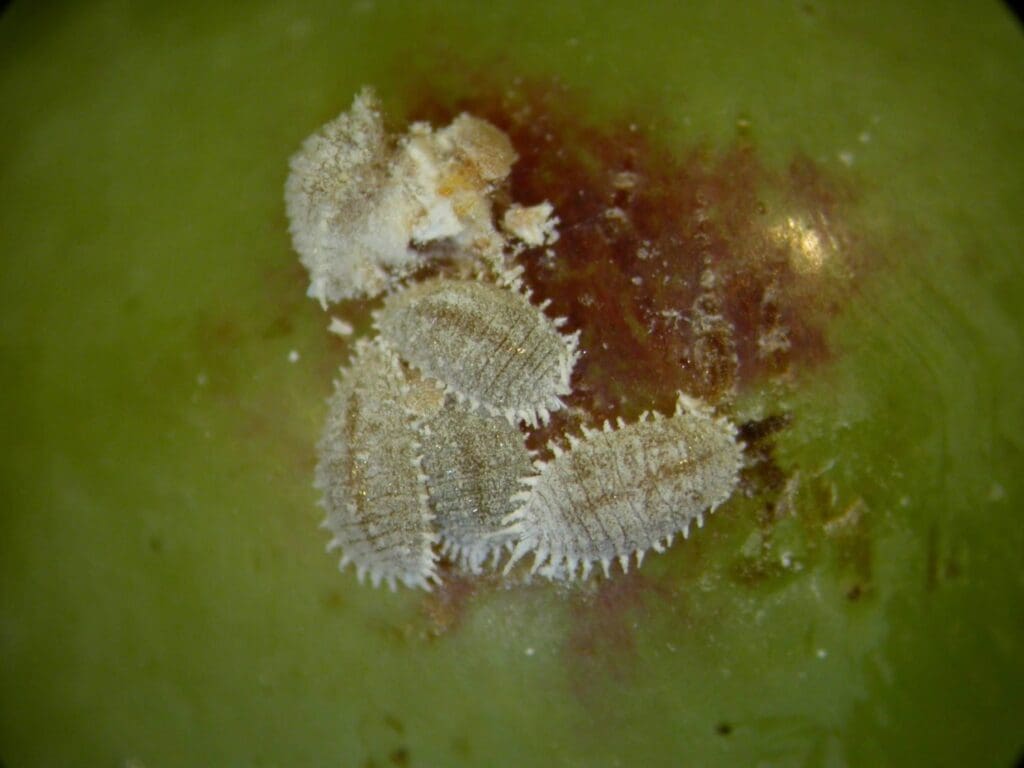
[{"x": 424, "y": 453}]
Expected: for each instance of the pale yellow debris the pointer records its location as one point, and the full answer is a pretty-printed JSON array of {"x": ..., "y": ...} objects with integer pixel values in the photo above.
[{"x": 533, "y": 225}]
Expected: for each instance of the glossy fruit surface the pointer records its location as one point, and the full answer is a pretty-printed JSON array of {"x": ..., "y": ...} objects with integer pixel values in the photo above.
[{"x": 164, "y": 595}]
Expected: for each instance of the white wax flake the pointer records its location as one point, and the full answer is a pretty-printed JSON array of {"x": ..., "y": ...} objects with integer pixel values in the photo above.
[
  {"x": 625, "y": 181},
  {"x": 529, "y": 651},
  {"x": 293, "y": 356},
  {"x": 821, "y": 653},
  {"x": 534, "y": 226},
  {"x": 340, "y": 328},
  {"x": 615, "y": 213},
  {"x": 672, "y": 315},
  {"x": 772, "y": 341},
  {"x": 645, "y": 251},
  {"x": 358, "y": 199},
  {"x": 846, "y": 157}
]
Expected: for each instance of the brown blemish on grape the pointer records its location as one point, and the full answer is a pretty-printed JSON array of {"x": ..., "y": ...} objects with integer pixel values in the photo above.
[
  {"x": 602, "y": 637},
  {"x": 762, "y": 473},
  {"x": 684, "y": 269},
  {"x": 445, "y": 606},
  {"x": 850, "y": 532},
  {"x": 941, "y": 561}
]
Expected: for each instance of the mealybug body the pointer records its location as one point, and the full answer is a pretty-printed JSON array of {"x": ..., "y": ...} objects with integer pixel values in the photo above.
[
  {"x": 487, "y": 344},
  {"x": 358, "y": 198},
  {"x": 619, "y": 492},
  {"x": 474, "y": 464},
  {"x": 374, "y": 489}
]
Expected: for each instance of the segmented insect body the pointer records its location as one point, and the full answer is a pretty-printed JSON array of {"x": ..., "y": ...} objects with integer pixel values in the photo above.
[
  {"x": 620, "y": 492},
  {"x": 473, "y": 464},
  {"x": 348, "y": 223},
  {"x": 369, "y": 471},
  {"x": 487, "y": 344}
]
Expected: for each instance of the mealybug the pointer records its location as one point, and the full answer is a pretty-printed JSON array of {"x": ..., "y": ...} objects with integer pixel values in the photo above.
[
  {"x": 488, "y": 345},
  {"x": 618, "y": 492},
  {"x": 375, "y": 492}
]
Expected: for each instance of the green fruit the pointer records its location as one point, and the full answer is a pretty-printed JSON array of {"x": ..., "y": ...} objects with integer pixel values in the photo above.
[{"x": 164, "y": 595}]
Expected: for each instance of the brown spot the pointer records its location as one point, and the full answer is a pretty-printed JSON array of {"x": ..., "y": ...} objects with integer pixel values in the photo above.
[
  {"x": 762, "y": 474},
  {"x": 756, "y": 432},
  {"x": 259, "y": 419},
  {"x": 684, "y": 268},
  {"x": 602, "y": 637},
  {"x": 394, "y": 724},
  {"x": 333, "y": 600},
  {"x": 285, "y": 282},
  {"x": 445, "y": 607},
  {"x": 279, "y": 327},
  {"x": 399, "y": 757}
]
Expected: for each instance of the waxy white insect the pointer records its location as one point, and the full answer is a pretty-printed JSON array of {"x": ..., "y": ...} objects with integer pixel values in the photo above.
[
  {"x": 487, "y": 344},
  {"x": 474, "y": 464},
  {"x": 359, "y": 200},
  {"x": 619, "y": 492},
  {"x": 374, "y": 489}
]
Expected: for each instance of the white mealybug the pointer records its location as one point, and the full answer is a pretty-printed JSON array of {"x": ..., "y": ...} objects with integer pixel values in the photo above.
[
  {"x": 374, "y": 488},
  {"x": 359, "y": 199},
  {"x": 348, "y": 224},
  {"x": 474, "y": 464},
  {"x": 488, "y": 345},
  {"x": 621, "y": 491}
]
